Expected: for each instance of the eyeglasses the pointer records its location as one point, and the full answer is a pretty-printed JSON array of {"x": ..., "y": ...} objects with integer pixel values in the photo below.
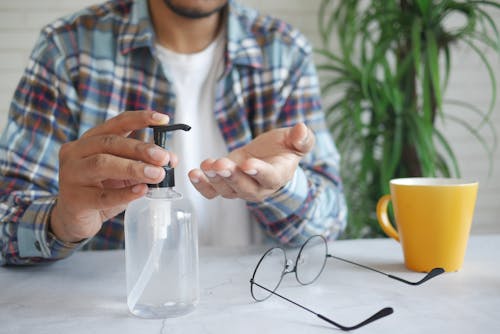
[{"x": 308, "y": 266}]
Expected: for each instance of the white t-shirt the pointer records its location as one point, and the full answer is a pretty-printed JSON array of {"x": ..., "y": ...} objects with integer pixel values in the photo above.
[{"x": 194, "y": 76}]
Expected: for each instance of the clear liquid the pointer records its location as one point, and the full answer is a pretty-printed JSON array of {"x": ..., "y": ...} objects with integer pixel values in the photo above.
[
  {"x": 161, "y": 258},
  {"x": 169, "y": 292}
]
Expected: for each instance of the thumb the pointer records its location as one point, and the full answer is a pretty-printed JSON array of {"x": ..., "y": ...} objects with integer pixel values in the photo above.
[{"x": 301, "y": 138}]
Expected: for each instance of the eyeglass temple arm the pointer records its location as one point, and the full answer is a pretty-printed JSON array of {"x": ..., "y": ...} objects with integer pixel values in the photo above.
[
  {"x": 433, "y": 273},
  {"x": 380, "y": 314}
]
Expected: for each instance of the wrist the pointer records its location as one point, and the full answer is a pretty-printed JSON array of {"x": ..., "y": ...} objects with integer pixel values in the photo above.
[{"x": 58, "y": 227}]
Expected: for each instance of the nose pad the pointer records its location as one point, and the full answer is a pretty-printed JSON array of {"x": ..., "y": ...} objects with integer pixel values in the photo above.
[{"x": 289, "y": 266}]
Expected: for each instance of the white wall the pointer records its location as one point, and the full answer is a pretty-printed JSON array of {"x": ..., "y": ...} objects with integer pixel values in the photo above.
[{"x": 20, "y": 21}]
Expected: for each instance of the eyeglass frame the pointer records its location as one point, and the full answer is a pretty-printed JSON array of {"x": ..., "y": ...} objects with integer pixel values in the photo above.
[
  {"x": 287, "y": 265},
  {"x": 433, "y": 273},
  {"x": 380, "y": 314}
]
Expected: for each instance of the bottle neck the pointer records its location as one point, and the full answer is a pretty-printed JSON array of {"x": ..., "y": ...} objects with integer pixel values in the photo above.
[
  {"x": 163, "y": 193},
  {"x": 168, "y": 181}
]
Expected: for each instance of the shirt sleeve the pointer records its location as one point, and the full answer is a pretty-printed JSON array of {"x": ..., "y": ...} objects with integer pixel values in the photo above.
[
  {"x": 38, "y": 122},
  {"x": 313, "y": 201}
]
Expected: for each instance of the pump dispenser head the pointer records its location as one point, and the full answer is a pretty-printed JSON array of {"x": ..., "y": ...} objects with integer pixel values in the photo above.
[{"x": 160, "y": 138}]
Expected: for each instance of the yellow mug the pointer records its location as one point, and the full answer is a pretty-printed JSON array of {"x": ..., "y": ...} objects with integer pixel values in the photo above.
[{"x": 433, "y": 220}]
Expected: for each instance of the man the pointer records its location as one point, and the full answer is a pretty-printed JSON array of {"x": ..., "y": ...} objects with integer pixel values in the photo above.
[{"x": 74, "y": 152}]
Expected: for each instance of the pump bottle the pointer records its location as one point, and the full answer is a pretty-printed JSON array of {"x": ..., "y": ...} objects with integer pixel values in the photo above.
[{"x": 161, "y": 247}]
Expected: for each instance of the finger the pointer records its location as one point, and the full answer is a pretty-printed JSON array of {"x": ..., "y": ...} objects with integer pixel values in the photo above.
[
  {"x": 115, "y": 183},
  {"x": 128, "y": 121},
  {"x": 201, "y": 183},
  {"x": 221, "y": 187},
  {"x": 242, "y": 184},
  {"x": 265, "y": 174},
  {"x": 209, "y": 167},
  {"x": 105, "y": 199},
  {"x": 119, "y": 146},
  {"x": 92, "y": 198},
  {"x": 301, "y": 138},
  {"x": 101, "y": 167}
]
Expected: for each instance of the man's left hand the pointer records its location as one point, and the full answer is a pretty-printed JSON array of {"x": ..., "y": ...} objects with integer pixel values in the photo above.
[{"x": 256, "y": 170}]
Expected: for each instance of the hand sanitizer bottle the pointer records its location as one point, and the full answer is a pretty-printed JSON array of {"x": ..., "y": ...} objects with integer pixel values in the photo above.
[{"x": 161, "y": 247}]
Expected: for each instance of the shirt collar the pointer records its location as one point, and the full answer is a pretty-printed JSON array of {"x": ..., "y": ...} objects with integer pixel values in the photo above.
[
  {"x": 242, "y": 47},
  {"x": 138, "y": 31}
]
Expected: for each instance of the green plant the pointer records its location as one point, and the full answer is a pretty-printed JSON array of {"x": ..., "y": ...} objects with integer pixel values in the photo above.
[{"x": 385, "y": 83}]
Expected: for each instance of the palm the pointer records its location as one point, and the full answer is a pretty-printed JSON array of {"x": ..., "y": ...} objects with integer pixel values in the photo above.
[
  {"x": 258, "y": 169},
  {"x": 273, "y": 147}
]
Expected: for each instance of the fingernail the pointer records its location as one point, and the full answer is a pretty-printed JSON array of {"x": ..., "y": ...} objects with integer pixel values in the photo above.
[
  {"x": 210, "y": 173},
  {"x": 224, "y": 173},
  {"x": 152, "y": 172},
  {"x": 306, "y": 138},
  {"x": 195, "y": 180},
  {"x": 160, "y": 118},
  {"x": 156, "y": 154},
  {"x": 137, "y": 188},
  {"x": 251, "y": 172}
]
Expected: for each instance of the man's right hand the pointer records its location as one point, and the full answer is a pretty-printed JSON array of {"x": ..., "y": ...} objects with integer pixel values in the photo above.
[{"x": 100, "y": 173}]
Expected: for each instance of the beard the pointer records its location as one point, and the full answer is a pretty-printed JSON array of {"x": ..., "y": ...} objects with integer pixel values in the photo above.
[{"x": 193, "y": 13}]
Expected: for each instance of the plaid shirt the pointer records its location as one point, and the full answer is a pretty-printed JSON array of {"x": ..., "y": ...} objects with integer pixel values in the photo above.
[{"x": 90, "y": 66}]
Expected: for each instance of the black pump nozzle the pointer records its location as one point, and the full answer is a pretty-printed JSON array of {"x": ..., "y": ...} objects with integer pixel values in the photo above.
[{"x": 160, "y": 138}]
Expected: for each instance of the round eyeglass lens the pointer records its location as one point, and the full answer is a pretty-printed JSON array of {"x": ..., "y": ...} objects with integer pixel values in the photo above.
[
  {"x": 268, "y": 273},
  {"x": 311, "y": 260}
]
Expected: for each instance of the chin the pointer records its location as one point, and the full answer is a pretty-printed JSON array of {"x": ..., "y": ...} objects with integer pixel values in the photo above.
[{"x": 195, "y": 9}]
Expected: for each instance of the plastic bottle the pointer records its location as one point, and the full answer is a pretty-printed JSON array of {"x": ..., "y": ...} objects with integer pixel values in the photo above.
[{"x": 161, "y": 248}]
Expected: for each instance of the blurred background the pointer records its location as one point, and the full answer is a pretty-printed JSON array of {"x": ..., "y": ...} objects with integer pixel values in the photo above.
[{"x": 21, "y": 21}]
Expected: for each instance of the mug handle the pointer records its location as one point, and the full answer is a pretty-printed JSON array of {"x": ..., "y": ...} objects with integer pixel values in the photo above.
[{"x": 383, "y": 218}]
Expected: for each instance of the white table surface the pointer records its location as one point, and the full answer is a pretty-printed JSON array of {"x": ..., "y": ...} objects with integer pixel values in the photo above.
[{"x": 86, "y": 294}]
